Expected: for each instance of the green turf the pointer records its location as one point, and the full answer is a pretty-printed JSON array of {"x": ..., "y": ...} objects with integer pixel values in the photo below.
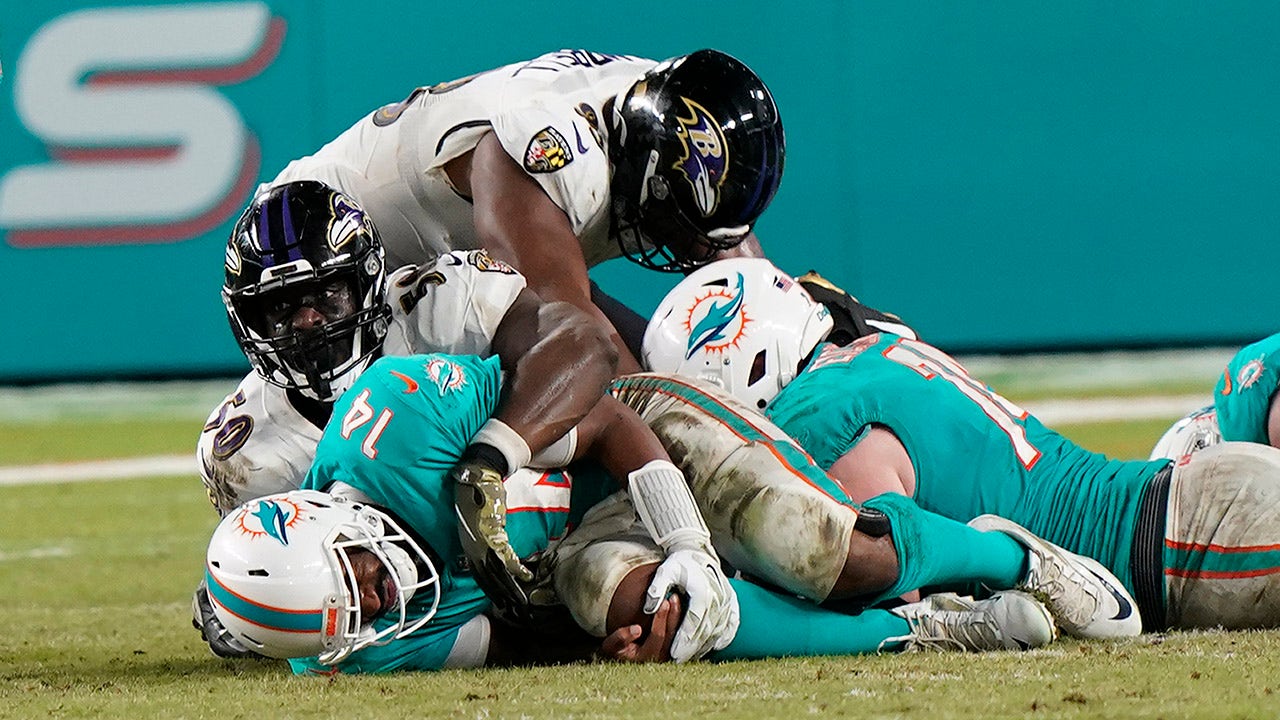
[
  {"x": 1127, "y": 440},
  {"x": 94, "y": 623},
  {"x": 24, "y": 443}
]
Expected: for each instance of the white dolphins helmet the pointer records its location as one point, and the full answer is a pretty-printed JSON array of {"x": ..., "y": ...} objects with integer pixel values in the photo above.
[
  {"x": 1193, "y": 433},
  {"x": 281, "y": 581},
  {"x": 740, "y": 323}
]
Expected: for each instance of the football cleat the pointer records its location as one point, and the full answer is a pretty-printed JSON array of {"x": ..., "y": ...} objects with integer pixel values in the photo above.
[
  {"x": 1008, "y": 620},
  {"x": 1086, "y": 600}
]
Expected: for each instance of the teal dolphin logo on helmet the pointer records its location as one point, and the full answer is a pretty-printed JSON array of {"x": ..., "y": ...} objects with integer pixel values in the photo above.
[
  {"x": 712, "y": 330},
  {"x": 274, "y": 520}
]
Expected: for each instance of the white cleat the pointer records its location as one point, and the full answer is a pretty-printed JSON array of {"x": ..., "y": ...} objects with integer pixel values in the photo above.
[
  {"x": 1009, "y": 620},
  {"x": 1086, "y": 600}
]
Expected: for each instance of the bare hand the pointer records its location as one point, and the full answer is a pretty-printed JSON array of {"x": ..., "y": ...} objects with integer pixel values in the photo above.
[{"x": 626, "y": 644}]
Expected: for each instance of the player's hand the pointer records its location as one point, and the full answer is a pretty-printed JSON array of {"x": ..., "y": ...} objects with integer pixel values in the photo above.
[
  {"x": 711, "y": 621},
  {"x": 629, "y": 644},
  {"x": 221, "y": 642},
  {"x": 480, "y": 501}
]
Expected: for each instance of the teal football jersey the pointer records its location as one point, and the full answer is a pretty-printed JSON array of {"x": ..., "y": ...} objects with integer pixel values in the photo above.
[
  {"x": 1242, "y": 398},
  {"x": 973, "y": 451},
  {"x": 394, "y": 436}
]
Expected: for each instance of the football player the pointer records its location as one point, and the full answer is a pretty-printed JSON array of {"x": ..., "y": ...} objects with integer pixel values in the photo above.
[
  {"x": 311, "y": 306},
  {"x": 1193, "y": 541},
  {"x": 360, "y": 571},
  {"x": 559, "y": 163}
]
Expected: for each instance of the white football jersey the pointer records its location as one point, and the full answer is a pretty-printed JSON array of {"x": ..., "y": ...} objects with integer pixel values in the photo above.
[
  {"x": 256, "y": 443},
  {"x": 549, "y": 115}
]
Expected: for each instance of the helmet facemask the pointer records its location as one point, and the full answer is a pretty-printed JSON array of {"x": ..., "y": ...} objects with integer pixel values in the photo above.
[
  {"x": 379, "y": 535},
  {"x": 330, "y": 245},
  {"x": 283, "y": 581}
]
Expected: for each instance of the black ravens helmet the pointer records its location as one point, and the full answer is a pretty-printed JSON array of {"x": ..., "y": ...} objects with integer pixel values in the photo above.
[
  {"x": 697, "y": 153},
  {"x": 305, "y": 288}
]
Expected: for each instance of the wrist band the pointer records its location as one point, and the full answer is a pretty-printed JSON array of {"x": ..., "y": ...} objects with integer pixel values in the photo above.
[{"x": 499, "y": 435}]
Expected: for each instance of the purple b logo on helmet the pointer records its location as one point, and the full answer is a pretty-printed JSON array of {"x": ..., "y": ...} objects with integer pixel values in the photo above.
[
  {"x": 705, "y": 160},
  {"x": 348, "y": 221}
]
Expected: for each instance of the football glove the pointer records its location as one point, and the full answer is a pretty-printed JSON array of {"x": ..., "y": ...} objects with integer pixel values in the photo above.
[
  {"x": 711, "y": 620},
  {"x": 667, "y": 509},
  {"x": 480, "y": 501}
]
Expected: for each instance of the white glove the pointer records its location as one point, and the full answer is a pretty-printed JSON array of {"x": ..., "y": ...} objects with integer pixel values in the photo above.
[
  {"x": 711, "y": 618},
  {"x": 667, "y": 509}
]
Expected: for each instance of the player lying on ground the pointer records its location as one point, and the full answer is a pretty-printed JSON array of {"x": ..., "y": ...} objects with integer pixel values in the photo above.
[
  {"x": 390, "y": 444},
  {"x": 1244, "y": 405},
  {"x": 1193, "y": 541},
  {"x": 311, "y": 306}
]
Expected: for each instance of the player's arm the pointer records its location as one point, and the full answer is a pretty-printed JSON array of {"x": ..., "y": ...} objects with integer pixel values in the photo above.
[
  {"x": 748, "y": 248},
  {"x": 615, "y": 436},
  {"x": 520, "y": 224},
  {"x": 876, "y": 464},
  {"x": 558, "y": 363},
  {"x": 1245, "y": 396}
]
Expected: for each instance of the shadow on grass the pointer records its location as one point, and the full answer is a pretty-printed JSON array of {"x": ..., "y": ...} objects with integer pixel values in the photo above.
[{"x": 79, "y": 673}]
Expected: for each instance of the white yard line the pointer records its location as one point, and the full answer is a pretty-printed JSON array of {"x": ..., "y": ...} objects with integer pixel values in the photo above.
[
  {"x": 1058, "y": 412},
  {"x": 1051, "y": 412},
  {"x": 98, "y": 470},
  {"x": 39, "y": 553}
]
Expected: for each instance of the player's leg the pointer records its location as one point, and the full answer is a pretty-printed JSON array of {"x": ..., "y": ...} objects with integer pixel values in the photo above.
[
  {"x": 776, "y": 516},
  {"x": 603, "y": 568},
  {"x": 1222, "y": 539}
]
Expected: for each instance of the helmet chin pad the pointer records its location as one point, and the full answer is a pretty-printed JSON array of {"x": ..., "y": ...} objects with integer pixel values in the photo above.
[{"x": 405, "y": 570}]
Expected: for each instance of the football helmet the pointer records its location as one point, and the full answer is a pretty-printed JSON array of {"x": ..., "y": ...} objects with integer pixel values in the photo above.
[
  {"x": 306, "y": 244},
  {"x": 1192, "y": 433},
  {"x": 697, "y": 151},
  {"x": 739, "y": 323},
  {"x": 281, "y": 580}
]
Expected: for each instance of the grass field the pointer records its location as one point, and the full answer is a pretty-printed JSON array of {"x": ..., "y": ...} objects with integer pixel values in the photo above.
[{"x": 96, "y": 580}]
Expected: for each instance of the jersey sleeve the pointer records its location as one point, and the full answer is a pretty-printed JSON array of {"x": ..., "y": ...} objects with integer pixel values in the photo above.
[
  {"x": 253, "y": 444},
  {"x": 1243, "y": 395},
  {"x": 432, "y": 648},
  {"x": 454, "y": 305},
  {"x": 555, "y": 147}
]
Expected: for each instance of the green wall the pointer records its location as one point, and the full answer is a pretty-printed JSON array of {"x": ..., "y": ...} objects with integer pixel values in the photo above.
[{"x": 1004, "y": 175}]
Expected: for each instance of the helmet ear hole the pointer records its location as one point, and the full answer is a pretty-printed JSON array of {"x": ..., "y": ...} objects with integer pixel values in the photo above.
[{"x": 757, "y": 368}]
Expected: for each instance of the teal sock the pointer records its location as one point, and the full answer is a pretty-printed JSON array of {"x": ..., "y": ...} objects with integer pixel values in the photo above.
[
  {"x": 934, "y": 550},
  {"x": 775, "y": 625}
]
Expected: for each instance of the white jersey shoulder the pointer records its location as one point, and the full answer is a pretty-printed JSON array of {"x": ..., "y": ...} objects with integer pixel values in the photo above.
[
  {"x": 253, "y": 444},
  {"x": 453, "y": 305},
  {"x": 256, "y": 443},
  {"x": 548, "y": 113}
]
